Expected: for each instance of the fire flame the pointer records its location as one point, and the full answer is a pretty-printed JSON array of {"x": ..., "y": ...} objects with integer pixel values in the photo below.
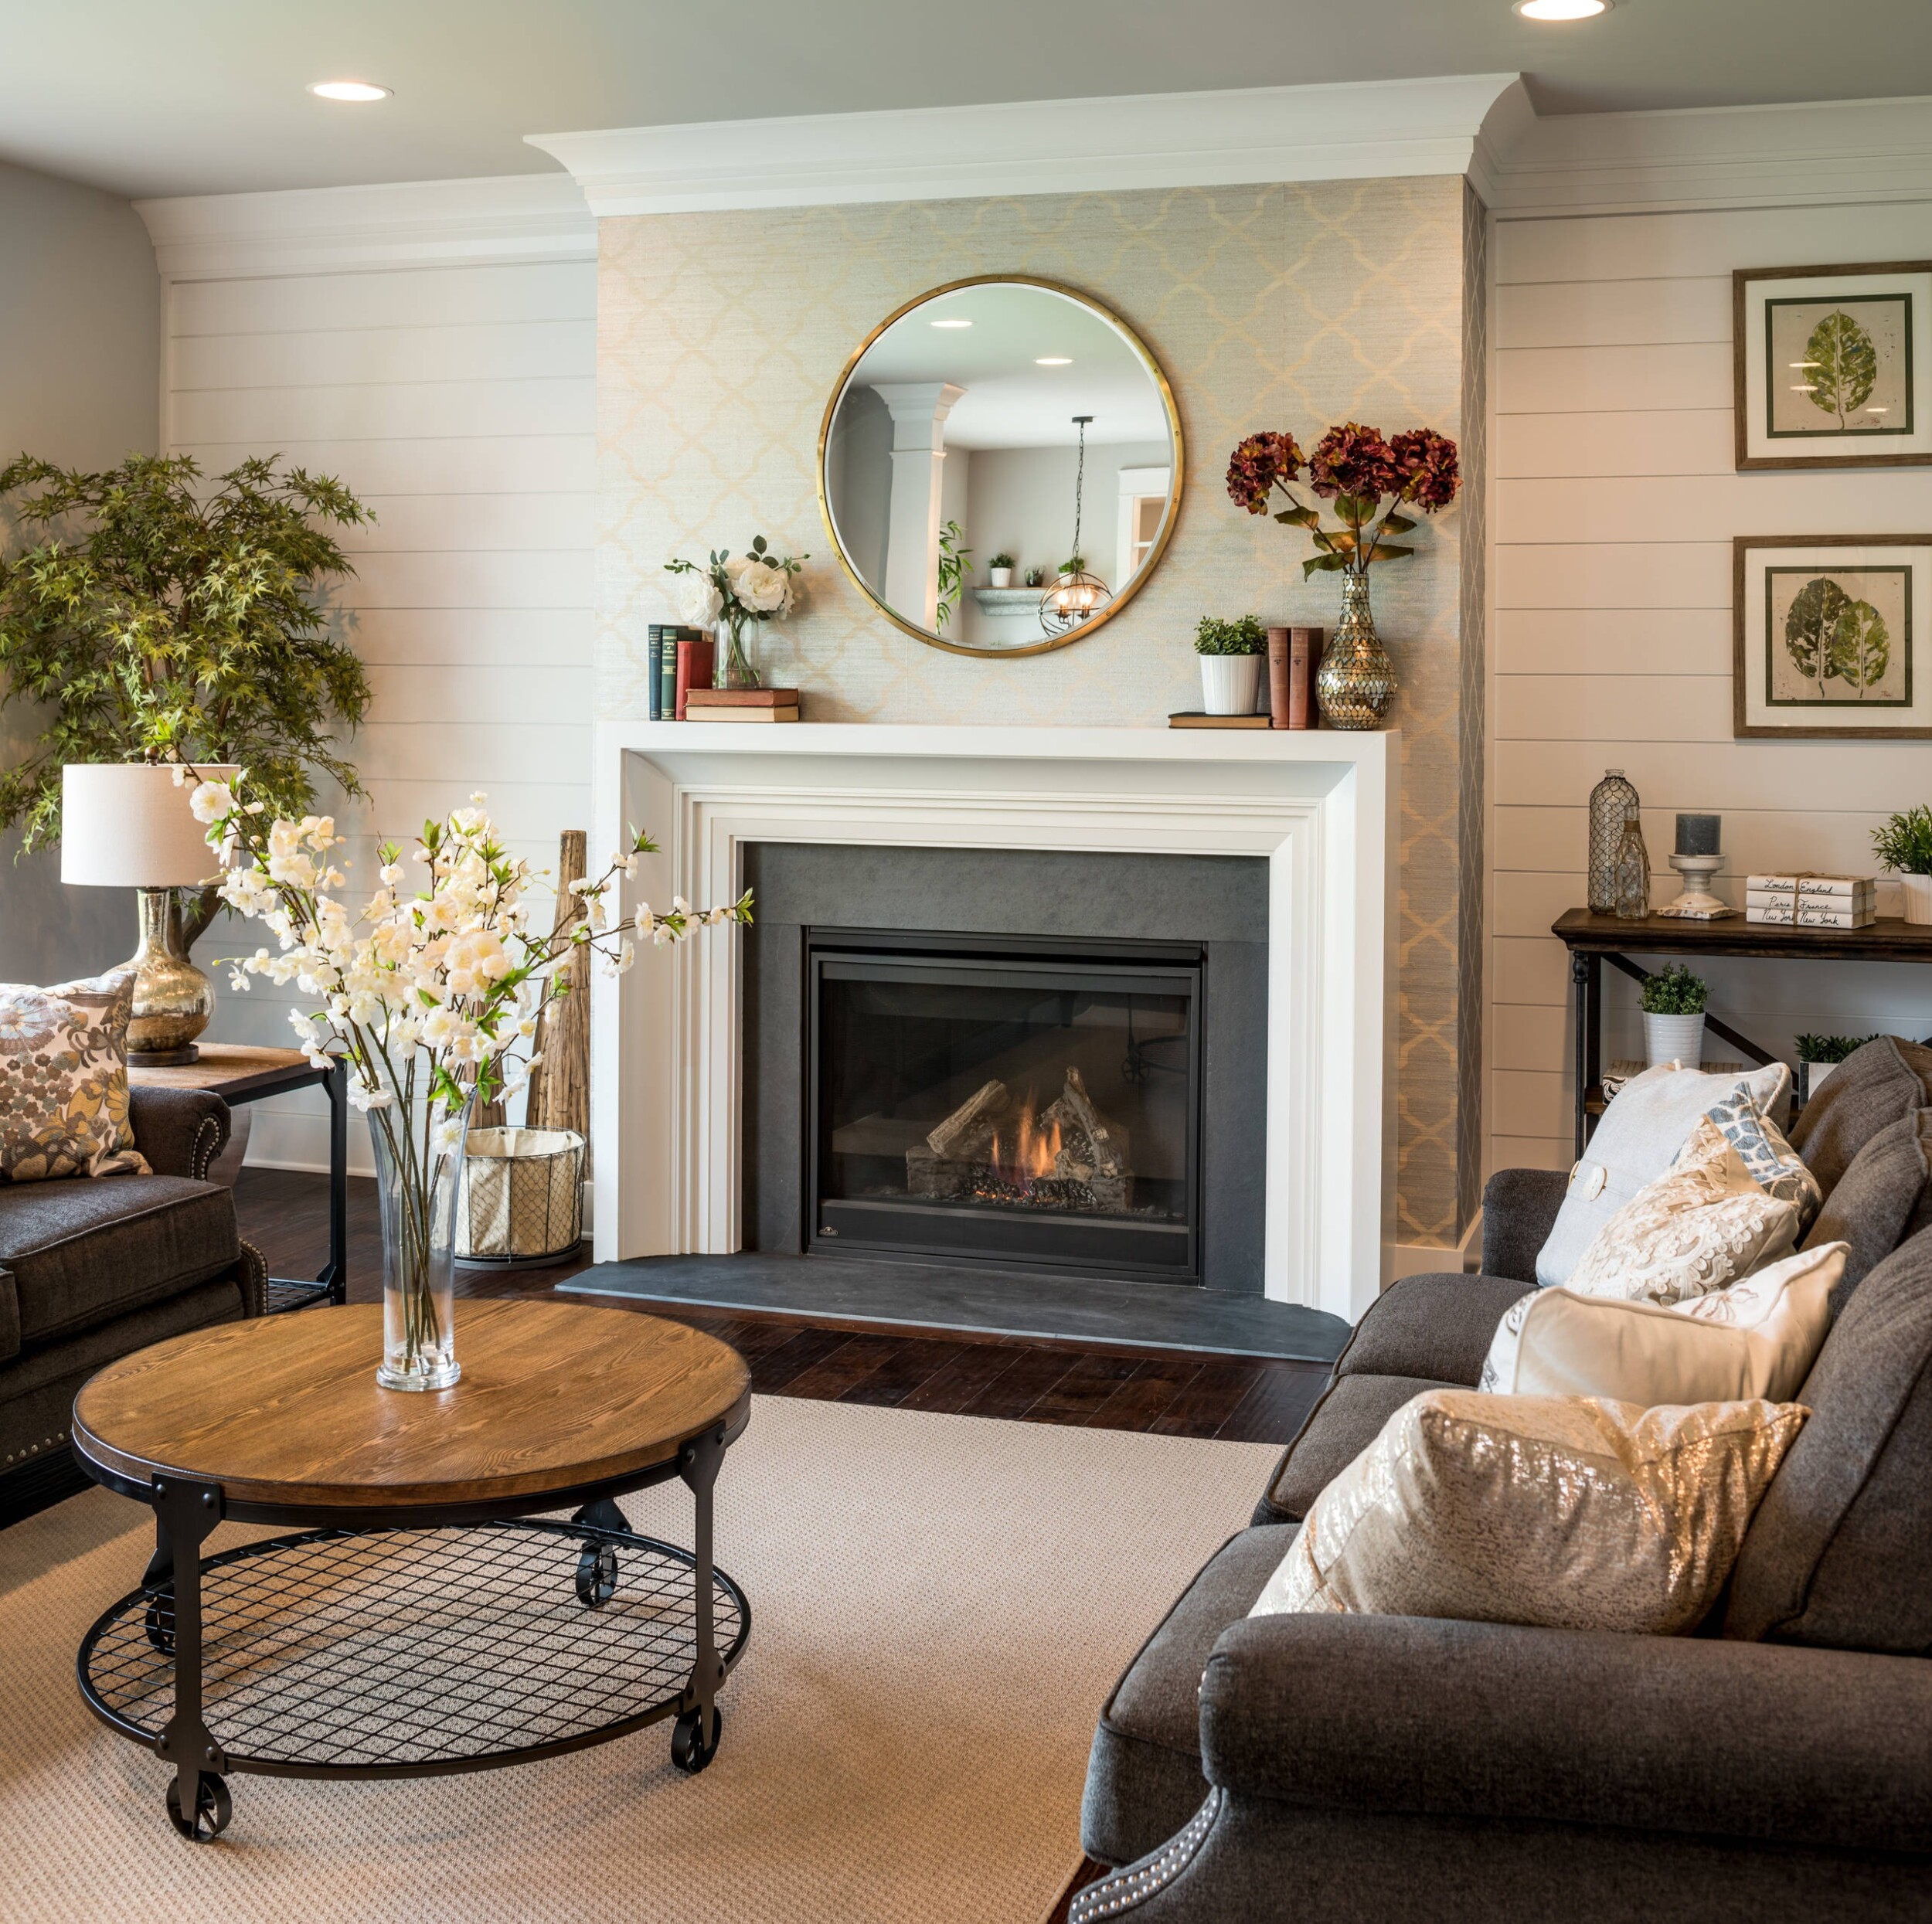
[{"x": 1032, "y": 1152}]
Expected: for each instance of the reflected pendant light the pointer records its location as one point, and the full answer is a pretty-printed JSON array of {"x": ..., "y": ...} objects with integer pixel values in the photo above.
[{"x": 1076, "y": 596}]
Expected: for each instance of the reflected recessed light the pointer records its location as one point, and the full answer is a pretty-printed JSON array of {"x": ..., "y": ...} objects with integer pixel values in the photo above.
[
  {"x": 349, "y": 91},
  {"x": 1054, "y": 361},
  {"x": 1562, "y": 9},
  {"x": 952, "y": 324}
]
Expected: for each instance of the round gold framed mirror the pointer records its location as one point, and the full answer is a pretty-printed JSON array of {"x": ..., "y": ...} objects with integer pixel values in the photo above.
[{"x": 1008, "y": 420}]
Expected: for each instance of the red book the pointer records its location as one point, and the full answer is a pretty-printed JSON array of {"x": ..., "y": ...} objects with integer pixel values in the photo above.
[
  {"x": 1278, "y": 678},
  {"x": 694, "y": 669},
  {"x": 1304, "y": 657}
]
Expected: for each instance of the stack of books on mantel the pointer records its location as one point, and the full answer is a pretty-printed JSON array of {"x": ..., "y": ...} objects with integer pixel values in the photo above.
[
  {"x": 1806, "y": 901},
  {"x": 742, "y": 704}
]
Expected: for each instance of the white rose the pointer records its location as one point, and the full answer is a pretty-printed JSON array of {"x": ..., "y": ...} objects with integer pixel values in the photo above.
[
  {"x": 763, "y": 589},
  {"x": 699, "y": 603},
  {"x": 211, "y": 801}
]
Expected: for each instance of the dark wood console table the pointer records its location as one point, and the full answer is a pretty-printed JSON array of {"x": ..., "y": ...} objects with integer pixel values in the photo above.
[{"x": 1595, "y": 940}]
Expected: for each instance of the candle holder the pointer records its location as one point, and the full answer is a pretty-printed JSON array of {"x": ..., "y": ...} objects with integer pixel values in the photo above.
[{"x": 1697, "y": 903}]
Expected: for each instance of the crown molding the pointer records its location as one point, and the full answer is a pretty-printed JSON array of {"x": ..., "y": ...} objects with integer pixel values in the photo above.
[
  {"x": 1805, "y": 154},
  {"x": 1345, "y": 132},
  {"x": 403, "y": 224}
]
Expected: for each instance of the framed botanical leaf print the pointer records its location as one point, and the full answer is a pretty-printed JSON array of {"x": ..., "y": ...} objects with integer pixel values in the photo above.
[
  {"x": 1828, "y": 636},
  {"x": 1833, "y": 366}
]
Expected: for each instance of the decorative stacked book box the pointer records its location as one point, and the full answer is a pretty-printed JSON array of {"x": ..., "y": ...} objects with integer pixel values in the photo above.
[
  {"x": 741, "y": 705},
  {"x": 1806, "y": 901}
]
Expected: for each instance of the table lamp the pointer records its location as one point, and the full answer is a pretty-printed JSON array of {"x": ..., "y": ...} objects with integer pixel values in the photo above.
[{"x": 127, "y": 825}]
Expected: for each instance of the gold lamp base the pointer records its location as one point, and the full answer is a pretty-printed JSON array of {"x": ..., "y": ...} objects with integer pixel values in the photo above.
[{"x": 173, "y": 999}]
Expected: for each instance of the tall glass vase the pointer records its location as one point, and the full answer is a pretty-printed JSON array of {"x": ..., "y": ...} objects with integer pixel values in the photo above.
[
  {"x": 737, "y": 663},
  {"x": 1356, "y": 680},
  {"x": 419, "y": 1172}
]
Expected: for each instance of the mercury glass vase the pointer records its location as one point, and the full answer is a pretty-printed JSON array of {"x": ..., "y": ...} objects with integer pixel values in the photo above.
[
  {"x": 737, "y": 656},
  {"x": 1356, "y": 680},
  {"x": 419, "y": 1173}
]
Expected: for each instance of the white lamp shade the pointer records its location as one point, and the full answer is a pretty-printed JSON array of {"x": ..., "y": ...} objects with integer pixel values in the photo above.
[{"x": 127, "y": 825}]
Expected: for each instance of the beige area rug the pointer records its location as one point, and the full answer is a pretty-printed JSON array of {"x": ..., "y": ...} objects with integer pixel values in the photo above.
[{"x": 939, "y": 1604}]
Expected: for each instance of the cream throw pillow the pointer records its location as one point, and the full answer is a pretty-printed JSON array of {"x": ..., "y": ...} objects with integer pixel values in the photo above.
[
  {"x": 1758, "y": 1338},
  {"x": 1562, "y": 1510},
  {"x": 63, "y": 1080},
  {"x": 1699, "y": 1226}
]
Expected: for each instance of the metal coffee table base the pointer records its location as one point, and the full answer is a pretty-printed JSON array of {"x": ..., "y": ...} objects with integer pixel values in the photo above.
[{"x": 410, "y": 1645}]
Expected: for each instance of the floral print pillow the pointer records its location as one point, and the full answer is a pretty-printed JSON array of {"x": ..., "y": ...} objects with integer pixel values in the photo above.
[
  {"x": 1776, "y": 1166},
  {"x": 63, "y": 1080}
]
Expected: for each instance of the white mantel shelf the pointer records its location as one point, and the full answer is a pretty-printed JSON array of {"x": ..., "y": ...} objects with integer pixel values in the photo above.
[{"x": 1321, "y": 808}]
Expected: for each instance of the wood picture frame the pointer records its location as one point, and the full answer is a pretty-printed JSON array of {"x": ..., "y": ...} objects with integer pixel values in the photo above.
[
  {"x": 1875, "y": 317},
  {"x": 1846, "y": 615}
]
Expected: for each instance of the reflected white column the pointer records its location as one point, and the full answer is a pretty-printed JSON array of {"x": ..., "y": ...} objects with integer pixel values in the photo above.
[{"x": 919, "y": 410}]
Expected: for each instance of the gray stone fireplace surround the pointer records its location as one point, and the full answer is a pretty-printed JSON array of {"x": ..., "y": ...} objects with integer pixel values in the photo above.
[{"x": 1219, "y": 901}]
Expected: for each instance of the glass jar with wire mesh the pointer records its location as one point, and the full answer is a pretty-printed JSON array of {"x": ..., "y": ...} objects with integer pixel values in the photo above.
[
  {"x": 1613, "y": 802},
  {"x": 522, "y": 1196}
]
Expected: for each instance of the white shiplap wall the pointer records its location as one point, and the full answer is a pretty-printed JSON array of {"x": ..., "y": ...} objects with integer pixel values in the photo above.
[
  {"x": 1615, "y": 501},
  {"x": 458, "y": 401}
]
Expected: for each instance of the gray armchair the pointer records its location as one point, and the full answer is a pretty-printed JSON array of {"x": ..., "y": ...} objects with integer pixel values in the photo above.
[
  {"x": 93, "y": 1268},
  {"x": 1348, "y": 1768}
]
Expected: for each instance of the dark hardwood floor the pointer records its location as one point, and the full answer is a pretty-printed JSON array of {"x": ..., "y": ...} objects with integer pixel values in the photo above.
[{"x": 284, "y": 1214}]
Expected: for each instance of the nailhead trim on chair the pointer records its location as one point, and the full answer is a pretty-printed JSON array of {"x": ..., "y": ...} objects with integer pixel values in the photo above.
[
  {"x": 207, "y": 1132},
  {"x": 33, "y": 1450},
  {"x": 254, "y": 1286},
  {"x": 1127, "y": 1889}
]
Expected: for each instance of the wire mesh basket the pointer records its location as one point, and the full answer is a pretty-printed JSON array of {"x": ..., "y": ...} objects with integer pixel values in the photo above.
[{"x": 522, "y": 1196}]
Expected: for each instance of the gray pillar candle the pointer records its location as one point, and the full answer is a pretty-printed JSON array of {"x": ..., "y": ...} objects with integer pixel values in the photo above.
[{"x": 1697, "y": 835}]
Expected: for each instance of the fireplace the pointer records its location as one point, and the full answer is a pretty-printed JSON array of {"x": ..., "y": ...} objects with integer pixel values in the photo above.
[{"x": 1023, "y": 1100}]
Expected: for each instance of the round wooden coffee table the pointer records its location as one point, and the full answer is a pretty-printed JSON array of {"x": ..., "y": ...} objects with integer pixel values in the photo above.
[{"x": 424, "y": 1619}]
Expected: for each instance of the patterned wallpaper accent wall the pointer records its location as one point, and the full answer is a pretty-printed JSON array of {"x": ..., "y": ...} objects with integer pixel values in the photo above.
[{"x": 1290, "y": 306}]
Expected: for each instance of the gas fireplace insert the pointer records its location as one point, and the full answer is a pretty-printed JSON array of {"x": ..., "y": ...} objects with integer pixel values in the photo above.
[{"x": 1006, "y": 1100}]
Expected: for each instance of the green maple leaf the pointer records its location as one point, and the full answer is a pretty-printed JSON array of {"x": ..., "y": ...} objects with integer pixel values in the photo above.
[
  {"x": 1845, "y": 365},
  {"x": 1861, "y": 645},
  {"x": 1811, "y": 628}
]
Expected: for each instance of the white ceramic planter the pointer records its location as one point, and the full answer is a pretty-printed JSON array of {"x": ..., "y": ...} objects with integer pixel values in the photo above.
[
  {"x": 999, "y": 577},
  {"x": 1917, "y": 891},
  {"x": 1229, "y": 683},
  {"x": 1674, "y": 1039}
]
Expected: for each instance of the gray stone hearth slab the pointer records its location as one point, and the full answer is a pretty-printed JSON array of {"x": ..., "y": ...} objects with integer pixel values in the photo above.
[{"x": 946, "y": 1296}]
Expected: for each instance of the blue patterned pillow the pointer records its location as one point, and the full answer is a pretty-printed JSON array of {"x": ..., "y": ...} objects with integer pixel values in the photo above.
[{"x": 1774, "y": 1164}]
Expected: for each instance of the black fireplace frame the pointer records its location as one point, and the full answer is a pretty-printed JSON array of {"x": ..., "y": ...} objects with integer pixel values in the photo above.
[{"x": 964, "y": 1233}]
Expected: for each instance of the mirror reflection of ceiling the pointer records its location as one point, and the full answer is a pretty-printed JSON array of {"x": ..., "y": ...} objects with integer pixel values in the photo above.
[{"x": 1010, "y": 400}]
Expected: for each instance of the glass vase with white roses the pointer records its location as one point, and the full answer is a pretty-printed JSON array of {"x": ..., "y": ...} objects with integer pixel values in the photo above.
[
  {"x": 429, "y": 994},
  {"x": 734, "y": 592}
]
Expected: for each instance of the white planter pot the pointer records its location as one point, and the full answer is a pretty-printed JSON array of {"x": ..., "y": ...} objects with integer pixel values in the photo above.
[
  {"x": 1917, "y": 891},
  {"x": 999, "y": 577},
  {"x": 1674, "y": 1039},
  {"x": 1229, "y": 682},
  {"x": 1814, "y": 1075}
]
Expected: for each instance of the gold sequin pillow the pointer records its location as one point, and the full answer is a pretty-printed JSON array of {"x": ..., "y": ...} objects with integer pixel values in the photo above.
[
  {"x": 1705, "y": 1223},
  {"x": 63, "y": 1080},
  {"x": 1571, "y": 1512}
]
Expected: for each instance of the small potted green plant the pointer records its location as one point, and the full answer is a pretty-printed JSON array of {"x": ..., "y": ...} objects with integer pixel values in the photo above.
[
  {"x": 1674, "y": 1004},
  {"x": 999, "y": 570},
  {"x": 1818, "y": 1056},
  {"x": 1036, "y": 577},
  {"x": 1230, "y": 653},
  {"x": 1904, "y": 845}
]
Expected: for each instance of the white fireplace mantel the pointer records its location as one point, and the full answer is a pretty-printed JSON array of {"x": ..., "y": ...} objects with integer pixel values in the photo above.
[{"x": 1322, "y": 808}]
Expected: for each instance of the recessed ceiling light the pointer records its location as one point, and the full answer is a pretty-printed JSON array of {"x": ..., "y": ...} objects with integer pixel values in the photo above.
[
  {"x": 349, "y": 91},
  {"x": 1562, "y": 9},
  {"x": 952, "y": 324},
  {"x": 1054, "y": 361}
]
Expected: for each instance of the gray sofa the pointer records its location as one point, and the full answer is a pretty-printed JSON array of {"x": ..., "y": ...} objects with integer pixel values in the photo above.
[
  {"x": 1778, "y": 1764},
  {"x": 93, "y": 1268}
]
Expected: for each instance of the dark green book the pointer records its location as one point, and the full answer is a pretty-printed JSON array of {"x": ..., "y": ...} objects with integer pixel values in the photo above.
[{"x": 656, "y": 633}]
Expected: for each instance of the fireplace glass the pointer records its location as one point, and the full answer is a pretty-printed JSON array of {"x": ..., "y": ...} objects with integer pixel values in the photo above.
[{"x": 1019, "y": 1102}]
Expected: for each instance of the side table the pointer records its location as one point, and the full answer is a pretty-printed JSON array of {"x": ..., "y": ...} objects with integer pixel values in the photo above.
[{"x": 239, "y": 1074}]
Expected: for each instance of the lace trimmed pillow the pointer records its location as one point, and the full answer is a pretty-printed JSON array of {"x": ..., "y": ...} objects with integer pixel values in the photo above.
[
  {"x": 63, "y": 1080},
  {"x": 1705, "y": 1223}
]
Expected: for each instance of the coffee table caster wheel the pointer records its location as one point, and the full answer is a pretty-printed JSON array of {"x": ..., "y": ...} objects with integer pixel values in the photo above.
[
  {"x": 213, "y": 1807},
  {"x": 596, "y": 1575},
  {"x": 689, "y": 1750},
  {"x": 160, "y": 1625}
]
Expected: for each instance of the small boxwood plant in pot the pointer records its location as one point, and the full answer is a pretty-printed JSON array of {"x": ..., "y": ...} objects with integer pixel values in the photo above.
[
  {"x": 999, "y": 570},
  {"x": 1904, "y": 845},
  {"x": 1674, "y": 1003},
  {"x": 1230, "y": 653}
]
